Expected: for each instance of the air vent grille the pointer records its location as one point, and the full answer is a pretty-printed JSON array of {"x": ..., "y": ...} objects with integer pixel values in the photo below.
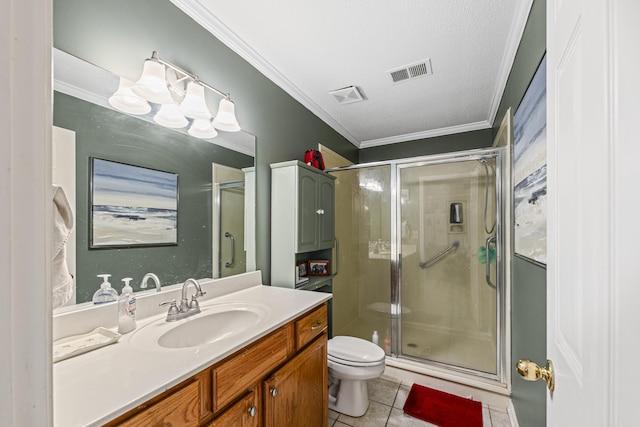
[
  {"x": 411, "y": 71},
  {"x": 347, "y": 95}
]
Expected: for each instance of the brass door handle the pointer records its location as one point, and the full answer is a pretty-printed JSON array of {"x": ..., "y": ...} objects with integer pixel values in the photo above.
[{"x": 532, "y": 372}]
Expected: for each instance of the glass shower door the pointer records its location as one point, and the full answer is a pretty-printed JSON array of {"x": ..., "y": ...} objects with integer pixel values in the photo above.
[
  {"x": 233, "y": 256},
  {"x": 447, "y": 235},
  {"x": 361, "y": 287}
]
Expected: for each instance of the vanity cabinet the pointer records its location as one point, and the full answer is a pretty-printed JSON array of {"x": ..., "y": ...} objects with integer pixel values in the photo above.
[
  {"x": 238, "y": 391},
  {"x": 302, "y": 216},
  {"x": 296, "y": 394}
]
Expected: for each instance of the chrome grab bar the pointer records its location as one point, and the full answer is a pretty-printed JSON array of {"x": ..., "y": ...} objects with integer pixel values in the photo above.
[
  {"x": 440, "y": 254},
  {"x": 487, "y": 248},
  {"x": 233, "y": 250}
]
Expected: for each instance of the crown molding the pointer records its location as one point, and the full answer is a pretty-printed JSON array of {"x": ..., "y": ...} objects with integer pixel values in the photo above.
[
  {"x": 200, "y": 14},
  {"x": 513, "y": 43},
  {"x": 426, "y": 134},
  {"x": 207, "y": 20}
]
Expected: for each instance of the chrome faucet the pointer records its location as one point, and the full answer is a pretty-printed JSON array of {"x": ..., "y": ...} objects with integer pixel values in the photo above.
[
  {"x": 186, "y": 308},
  {"x": 184, "y": 304},
  {"x": 152, "y": 276}
]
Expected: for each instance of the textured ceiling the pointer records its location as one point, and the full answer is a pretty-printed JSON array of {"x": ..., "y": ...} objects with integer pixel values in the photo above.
[{"x": 310, "y": 48}]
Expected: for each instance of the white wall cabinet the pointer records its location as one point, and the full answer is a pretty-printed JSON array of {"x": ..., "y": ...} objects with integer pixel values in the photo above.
[{"x": 302, "y": 216}]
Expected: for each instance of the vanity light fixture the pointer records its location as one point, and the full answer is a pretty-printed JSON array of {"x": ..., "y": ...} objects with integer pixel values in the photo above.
[
  {"x": 170, "y": 116},
  {"x": 125, "y": 100},
  {"x": 161, "y": 83},
  {"x": 202, "y": 128}
]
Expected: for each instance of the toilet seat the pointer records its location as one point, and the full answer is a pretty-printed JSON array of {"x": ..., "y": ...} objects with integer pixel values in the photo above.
[{"x": 354, "y": 351}]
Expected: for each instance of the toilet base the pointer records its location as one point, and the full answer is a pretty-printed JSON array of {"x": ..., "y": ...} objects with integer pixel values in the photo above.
[{"x": 352, "y": 398}]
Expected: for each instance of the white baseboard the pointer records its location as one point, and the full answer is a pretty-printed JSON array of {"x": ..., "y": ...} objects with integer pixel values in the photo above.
[{"x": 499, "y": 401}]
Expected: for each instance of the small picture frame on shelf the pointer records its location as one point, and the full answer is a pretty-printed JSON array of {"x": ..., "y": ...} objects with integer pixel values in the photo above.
[
  {"x": 319, "y": 267},
  {"x": 302, "y": 269}
]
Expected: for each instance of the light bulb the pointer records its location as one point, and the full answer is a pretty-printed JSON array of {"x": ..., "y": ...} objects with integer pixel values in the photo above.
[
  {"x": 152, "y": 84},
  {"x": 170, "y": 116},
  {"x": 126, "y": 101},
  {"x": 203, "y": 129},
  {"x": 226, "y": 117}
]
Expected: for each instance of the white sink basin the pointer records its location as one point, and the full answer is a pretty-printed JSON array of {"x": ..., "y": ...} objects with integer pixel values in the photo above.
[{"x": 215, "y": 323}]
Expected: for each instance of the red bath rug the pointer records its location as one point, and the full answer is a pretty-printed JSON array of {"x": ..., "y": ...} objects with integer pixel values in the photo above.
[{"x": 442, "y": 409}]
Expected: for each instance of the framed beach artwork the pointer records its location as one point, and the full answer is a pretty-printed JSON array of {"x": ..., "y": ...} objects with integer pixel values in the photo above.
[
  {"x": 530, "y": 170},
  {"x": 132, "y": 206}
]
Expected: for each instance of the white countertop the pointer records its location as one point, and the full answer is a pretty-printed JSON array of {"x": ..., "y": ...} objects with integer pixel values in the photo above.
[{"x": 96, "y": 387}]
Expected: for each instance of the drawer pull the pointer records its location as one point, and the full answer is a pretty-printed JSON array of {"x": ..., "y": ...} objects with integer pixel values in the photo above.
[
  {"x": 253, "y": 411},
  {"x": 273, "y": 392},
  {"x": 317, "y": 325}
]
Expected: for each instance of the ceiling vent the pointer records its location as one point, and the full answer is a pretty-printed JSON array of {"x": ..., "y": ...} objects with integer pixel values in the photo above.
[
  {"x": 347, "y": 95},
  {"x": 412, "y": 71}
]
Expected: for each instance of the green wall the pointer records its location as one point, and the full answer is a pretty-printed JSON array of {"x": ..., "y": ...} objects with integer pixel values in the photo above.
[
  {"x": 118, "y": 35},
  {"x": 424, "y": 147},
  {"x": 528, "y": 280},
  {"x": 109, "y": 135}
]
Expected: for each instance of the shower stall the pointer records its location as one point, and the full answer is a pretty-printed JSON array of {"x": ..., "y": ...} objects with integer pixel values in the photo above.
[{"x": 421, "y": 260}]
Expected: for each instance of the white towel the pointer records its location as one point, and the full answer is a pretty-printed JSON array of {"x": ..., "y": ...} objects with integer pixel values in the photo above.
[{"x": 62, "y": 281}]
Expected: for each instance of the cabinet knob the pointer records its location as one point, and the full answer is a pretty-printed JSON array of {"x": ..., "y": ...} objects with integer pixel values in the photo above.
[
  {"x": 253, "y": 411},
  {"x": 317, "y": 325},
  {"x": 273, "y": 392}
]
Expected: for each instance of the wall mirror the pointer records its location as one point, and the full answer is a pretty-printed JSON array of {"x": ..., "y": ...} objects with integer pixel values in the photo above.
[{"x": 216, "y": 194}]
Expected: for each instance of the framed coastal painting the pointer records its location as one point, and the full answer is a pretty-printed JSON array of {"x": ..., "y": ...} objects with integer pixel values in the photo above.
[
  {"x": 530, "y": 170},
  {"x": 131, "y": 206}
]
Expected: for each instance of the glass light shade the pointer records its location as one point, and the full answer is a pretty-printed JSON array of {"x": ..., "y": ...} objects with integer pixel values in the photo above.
[
  {"x": 126, "y": 101},
  {"x": 152, "y": 84},
  {"x": 226, "y": 117},
  {"x": 202, "y": 128},
  {"x": 170, "y": 116},
  {"x": 194, "y": 105}
]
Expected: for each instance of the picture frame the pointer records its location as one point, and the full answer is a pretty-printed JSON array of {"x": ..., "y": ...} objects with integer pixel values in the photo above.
[
  {"x": 319, "y": 267},
  {"x": 131, "y": 206},
  {"x": 302, "y": 268},
  {"x": 530, "y": 171}
]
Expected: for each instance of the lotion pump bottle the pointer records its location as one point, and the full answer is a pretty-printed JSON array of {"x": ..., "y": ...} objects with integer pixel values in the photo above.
[
  {"x": 374, "y": 337},
  {"x": 106, "y": 293},
  {"x": 126, "y": 308}
]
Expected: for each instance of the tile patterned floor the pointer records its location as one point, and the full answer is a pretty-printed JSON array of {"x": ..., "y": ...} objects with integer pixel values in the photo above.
[{"x": 386, "y": 399}]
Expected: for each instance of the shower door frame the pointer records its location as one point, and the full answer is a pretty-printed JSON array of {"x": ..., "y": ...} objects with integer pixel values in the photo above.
[
  {"x": 499, "y": 155},
  {"x": 502, "y": 180},
  {"x": 218, "y": 202}
]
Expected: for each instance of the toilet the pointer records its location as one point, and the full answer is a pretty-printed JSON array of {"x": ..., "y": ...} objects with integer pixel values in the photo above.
[{"x": 352, "y": 362}]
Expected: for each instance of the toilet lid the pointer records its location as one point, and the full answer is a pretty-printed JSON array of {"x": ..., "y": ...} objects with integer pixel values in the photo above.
[{"x": 354, "y": 351}]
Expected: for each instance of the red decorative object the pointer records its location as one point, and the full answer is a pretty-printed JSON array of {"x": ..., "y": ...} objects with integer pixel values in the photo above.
[
  {"x": 442, "y": 409},
  {"x": 314, "y": 158}
]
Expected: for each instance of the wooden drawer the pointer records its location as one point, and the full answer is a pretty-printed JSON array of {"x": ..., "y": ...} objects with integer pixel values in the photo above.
[
  {"x": 310, "y": 326},
  {"x": 181, "y": 408},
  {"x": 244, "y": 369},
  {"x": 245, "y": 413}
]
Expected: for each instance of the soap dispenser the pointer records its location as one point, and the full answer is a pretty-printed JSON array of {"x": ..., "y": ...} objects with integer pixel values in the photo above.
[
  {"x": 106, "y": 293},
  {"x": 126, "y": 308}
]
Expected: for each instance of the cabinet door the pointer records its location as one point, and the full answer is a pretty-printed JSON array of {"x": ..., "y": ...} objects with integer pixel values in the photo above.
[
  {"x": 297, "y": 395},
  {"x": 245, "y": 413},
  {"x": 326, "y": 223},
  {"x": 307, "y": 210}
]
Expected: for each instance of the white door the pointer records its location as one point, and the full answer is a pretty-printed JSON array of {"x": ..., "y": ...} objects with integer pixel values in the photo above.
[{"x": 593, "y": 157}]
